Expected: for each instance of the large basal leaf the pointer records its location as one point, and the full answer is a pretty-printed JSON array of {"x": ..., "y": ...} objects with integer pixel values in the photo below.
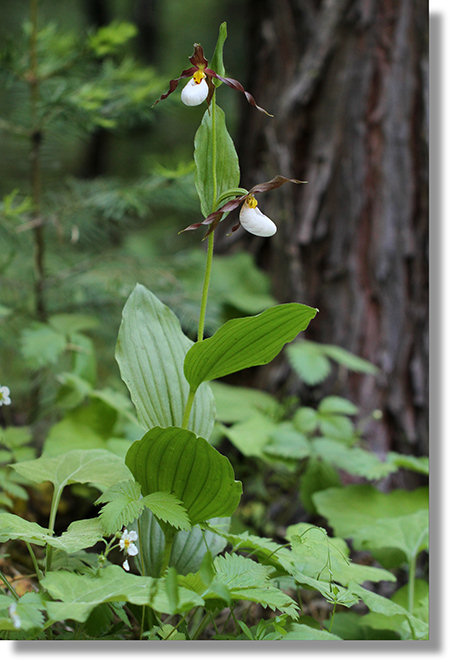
[
  {"x": 79, "y": 595},
  {"x": 406, "y": 532},
  {"x": 355, "y": 507},
  {"x": 176, "y": 460},
  {"x": 150, "y": 352},
  {"x": 246, "y": 342},
  {"x": 220, "y": 144},
  {"x": 97, "y": 467}
]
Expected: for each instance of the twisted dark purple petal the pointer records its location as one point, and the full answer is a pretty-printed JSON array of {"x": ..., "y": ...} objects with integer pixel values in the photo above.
[
  {"x": 236, "y": 85},
  {"x": 174, "y": 83}
]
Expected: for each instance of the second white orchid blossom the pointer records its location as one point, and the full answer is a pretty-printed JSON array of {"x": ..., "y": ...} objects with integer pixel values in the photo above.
[{"x": 254, "y": 221}]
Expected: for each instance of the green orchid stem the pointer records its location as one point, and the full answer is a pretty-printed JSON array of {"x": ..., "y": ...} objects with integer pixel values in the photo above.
[
  {"x": 51, "y": 527},
  {"x": 206, "y": 281}
]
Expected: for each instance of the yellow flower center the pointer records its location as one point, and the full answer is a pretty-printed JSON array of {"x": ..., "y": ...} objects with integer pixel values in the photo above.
[
  {"x": 199, "y": 76},
  {"x": 251, "y": 201}
]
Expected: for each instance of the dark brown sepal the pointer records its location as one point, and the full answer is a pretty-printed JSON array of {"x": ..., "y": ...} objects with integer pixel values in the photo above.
[
  {"x": 173, "y": 84},
  {"x": 236, "y": 85},
  {"x": 275, "y": 182},
  {"x": 198, "y": 58}
]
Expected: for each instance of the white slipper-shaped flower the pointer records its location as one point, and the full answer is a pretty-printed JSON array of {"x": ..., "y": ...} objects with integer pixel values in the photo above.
[
  {"x": 196, "y": 90},
  {"x": 254, "y": 221},
  {"x": 4, "y": 396}
]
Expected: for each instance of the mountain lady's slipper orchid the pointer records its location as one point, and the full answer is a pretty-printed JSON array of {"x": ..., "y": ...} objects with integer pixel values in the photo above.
[
  {"x": 201, "y": 87},
  {"x": 254, "y": 221},
  {"x": 250, "y": 217}
]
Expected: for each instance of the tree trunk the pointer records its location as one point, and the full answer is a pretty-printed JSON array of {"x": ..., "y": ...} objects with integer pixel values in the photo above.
[{"x": 346, "y": 81}]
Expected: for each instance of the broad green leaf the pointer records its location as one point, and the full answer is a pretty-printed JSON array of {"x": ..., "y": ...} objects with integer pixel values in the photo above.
[
  {"x": 79, "y": 594},
  {"x": 406, "y": 532},
  {"x": 13, "y": 527},
  {"x": 80, "y": 534},
  {"x": 305, "y": 419},
  {"x": 237, "y": 403},
  {"x": 206, "y": 145},
  {"x": 246, "y": 342},
  {"x": 301, "y": 632},
  {"x": 176, "y": 460},
  {"x": 354, "y": 507},
  {"x": 349, "y": 625},
  {"x": 355, "y": 461},
  {"x": 216, "y": 63},
  {"x": 381, "y": 605},
  {"x": 97, "y": 467},
  {"x": 150, "y": 352},
  {"x": 336, "y": 426}
]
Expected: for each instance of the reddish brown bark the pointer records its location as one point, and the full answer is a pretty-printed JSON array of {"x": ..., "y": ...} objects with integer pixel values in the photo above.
[{"x": 345, "y": 80}]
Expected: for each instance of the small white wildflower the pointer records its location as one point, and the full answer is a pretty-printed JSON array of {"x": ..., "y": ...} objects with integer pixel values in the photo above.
[
  {"x": 254, "y": 221},
  {"x": 126, "y": 543},
  {"x": 4, "y": 396},
  {"x": 126, "y": 565},
  {"x": 13, "y": 615}
]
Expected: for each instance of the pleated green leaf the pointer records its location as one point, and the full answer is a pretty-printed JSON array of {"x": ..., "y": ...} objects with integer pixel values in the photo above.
[
  {"x": 150, "y": 352},
  {"x": 246, "y": 342},
  {"x": 216, "y": 146},
  {"x": 177, "y": 461}
]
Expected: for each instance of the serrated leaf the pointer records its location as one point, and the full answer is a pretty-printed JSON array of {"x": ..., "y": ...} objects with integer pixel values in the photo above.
[
  {"x": 355, "y": 461},
  {"x": 334, "y": 404},
  {"x": 168, "y": 508},
  {"x": 176, "y": 460},
  {"x": 410, "y": 462},
  {"x": 68, "y": 324},
  {"x": 245, "y": 342},
  {"x": 252, "y": 435},
  {"x": 226, "y": 160},
  {"x": 349, "y": 360},
  {"x": 308, "y": 362},
  {"x": 248, "y": 580},
  {"x": 41, "y": 344},
  {"x": 123, "y": 505},
  {"x": 288, "y": 442},
  {"x": 151, "y": 348}
]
